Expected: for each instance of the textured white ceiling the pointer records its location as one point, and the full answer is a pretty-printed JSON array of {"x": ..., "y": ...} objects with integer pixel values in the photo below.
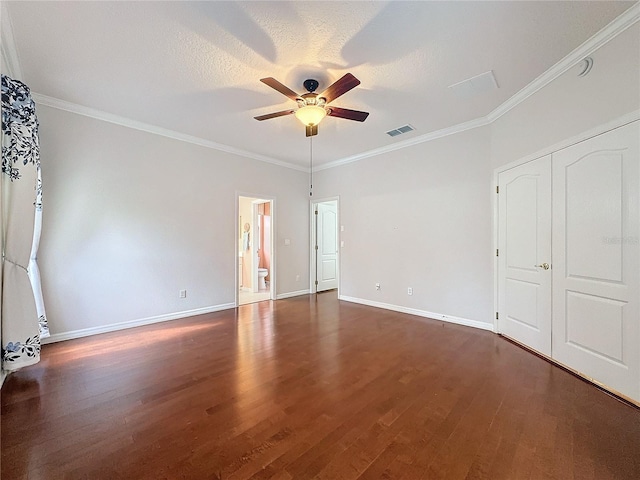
[{"x": 194, "y": 67}]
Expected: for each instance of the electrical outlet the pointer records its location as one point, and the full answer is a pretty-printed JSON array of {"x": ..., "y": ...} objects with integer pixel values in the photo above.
[
  {"x": 377, "y": 286},
  {"x": 182, "y": 294},
  {"x": 297, "y": 278},
  {"x": 409, "y": 291}
]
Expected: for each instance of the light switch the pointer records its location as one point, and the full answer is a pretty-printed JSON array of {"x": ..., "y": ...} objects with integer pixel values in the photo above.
[
  {"x": 341, "y": 243},
  {"x": 287, "y": 241},
  {"x": 342, "y": 228}
]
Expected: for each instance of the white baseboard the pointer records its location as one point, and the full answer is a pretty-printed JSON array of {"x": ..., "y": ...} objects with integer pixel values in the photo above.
[
  {"x": 85, "y": 332},
  {"x": 421, "y": 313},
  {"x": 282, "y": 296}
]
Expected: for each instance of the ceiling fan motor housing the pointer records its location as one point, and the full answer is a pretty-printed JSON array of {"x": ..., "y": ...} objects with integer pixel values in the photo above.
[
  {"x": 311, "y": 98},
  {"x": 310, "y": 84}
]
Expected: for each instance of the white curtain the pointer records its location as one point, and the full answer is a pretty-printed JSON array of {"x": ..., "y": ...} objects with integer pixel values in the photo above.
[{"x": 22, "y": 316}]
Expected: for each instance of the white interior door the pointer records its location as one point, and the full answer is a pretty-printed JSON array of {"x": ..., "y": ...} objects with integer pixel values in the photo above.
[
  {"x": 327, "y": 245},
  {"x": 596, "y": 249},
  {"x": 524, "y": 260}
]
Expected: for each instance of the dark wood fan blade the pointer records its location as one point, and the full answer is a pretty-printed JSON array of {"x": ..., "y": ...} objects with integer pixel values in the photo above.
[
  {"x": 340, "y": 87},
  {"x": 312, "y": 130},
  {"x": 283, "y": 89},
  {"x": 274, "y": 115},
  {"x": 348, "y": 114}
]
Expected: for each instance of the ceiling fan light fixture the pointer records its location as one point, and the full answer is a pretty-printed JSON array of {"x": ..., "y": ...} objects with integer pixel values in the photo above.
[
  {"x": 310, "y": 115},
  {"x": 313, "y": 107}
]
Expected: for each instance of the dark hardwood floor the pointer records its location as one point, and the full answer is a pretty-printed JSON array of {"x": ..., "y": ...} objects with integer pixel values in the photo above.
[{"x": 309, "y": 388}]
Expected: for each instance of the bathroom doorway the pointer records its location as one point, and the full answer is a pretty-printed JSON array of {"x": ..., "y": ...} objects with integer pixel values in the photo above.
[
  {"x": 255, "y": 252},
  {"x": 325, "y": 249}
]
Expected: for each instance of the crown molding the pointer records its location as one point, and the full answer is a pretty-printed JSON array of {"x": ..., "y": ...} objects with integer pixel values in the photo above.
[
  {"x": 610, "y": 31},
  {"x": 427, "y": 137},
  {"x": 8, "y": 44},
  {"x": 613, "y": 29},
  {"x": 617, "y": 26},
  {"x": 164, "y": 132},
  {"x": 53, "y": 102},
  {"x": 10, "y": 57}
]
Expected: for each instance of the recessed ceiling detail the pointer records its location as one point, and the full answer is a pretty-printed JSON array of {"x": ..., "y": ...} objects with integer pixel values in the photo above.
[{"x": 400, "y": 130}]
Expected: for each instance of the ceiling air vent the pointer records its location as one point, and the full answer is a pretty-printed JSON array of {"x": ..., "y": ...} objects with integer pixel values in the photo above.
[{"x": 399, "y": 131}]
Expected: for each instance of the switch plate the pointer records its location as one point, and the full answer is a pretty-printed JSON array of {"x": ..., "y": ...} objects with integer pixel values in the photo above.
[
  {"x": 409, "y": 291},
  {"x": 341, "y": 243},
  {"x": 287, "y": 241},
  {"x": 182, "y": 294},
  {"x": 377, "y": 286}
]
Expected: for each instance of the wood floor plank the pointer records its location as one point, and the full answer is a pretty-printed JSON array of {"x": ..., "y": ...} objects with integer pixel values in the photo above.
[{"x": 308, "y": 387}]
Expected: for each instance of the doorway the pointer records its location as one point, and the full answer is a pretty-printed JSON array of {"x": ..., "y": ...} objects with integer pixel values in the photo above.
[
  {"x": 325, "y": 262},
  {"x": 255, "y": 252}
]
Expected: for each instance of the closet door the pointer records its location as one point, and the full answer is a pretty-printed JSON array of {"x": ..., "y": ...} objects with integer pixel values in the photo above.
[
  {"x": 596, "y": 269},
  {"x": 524, "y": 260}
]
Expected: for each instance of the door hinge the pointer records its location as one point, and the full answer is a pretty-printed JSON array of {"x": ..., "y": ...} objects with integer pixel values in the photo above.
[
  {"x": 497, "y": 252},
  {"x": 497, "y": 189},
  {"x": 316, "y": 212},
  {"x": 316, "y": 247},
  {"x": 496, "y": 315},
  {"x": 316, "y": 283}
]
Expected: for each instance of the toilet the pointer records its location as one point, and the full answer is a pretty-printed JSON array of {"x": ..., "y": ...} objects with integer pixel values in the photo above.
[{"x": 262, "y": 273}]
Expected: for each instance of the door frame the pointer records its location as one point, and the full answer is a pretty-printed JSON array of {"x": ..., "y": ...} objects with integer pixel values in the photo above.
[
  {"x": 312, "y": 237},
  {"x": 594, "y": 132},
  {"x": 255, "y": 258},
  {"x": 272, "y": 267}
]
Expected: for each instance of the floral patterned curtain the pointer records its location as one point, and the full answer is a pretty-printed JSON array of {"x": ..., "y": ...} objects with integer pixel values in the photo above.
[{"x": 22, "y": 316}]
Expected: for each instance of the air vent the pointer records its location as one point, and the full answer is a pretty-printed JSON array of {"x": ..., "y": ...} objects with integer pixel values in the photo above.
[{"x": 400, "y": 130}]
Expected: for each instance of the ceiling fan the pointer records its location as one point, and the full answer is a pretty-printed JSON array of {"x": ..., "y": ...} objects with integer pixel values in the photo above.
[{"x": 313, "y": 107}]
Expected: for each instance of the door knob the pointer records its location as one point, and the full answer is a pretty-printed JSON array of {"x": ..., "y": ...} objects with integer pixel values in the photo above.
[{"x": 544, "y": 265}]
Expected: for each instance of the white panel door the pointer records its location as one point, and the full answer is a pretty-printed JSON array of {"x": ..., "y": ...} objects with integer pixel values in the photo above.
[
  {"x": 327, "y": 248},
  {"x": 596, "y": 246},
  {"x": 524, "y": 260}
]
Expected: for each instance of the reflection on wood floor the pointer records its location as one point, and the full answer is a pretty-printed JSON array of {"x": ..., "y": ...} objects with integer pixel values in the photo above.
[
  {"x": 245, "y": 297},
  {"x": 308, "y": 387}
]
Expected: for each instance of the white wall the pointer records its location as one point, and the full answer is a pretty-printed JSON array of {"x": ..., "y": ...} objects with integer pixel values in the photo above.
[
  {"x": 570, "y": 104},
  {"x": 418, "y": 217},
  {"x": 421, "y": 217},
  {"x": 131, "y": 217}
]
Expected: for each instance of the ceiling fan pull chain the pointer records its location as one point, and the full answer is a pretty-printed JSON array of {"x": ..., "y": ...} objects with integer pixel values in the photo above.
[{"x": 310, "y": 166}]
